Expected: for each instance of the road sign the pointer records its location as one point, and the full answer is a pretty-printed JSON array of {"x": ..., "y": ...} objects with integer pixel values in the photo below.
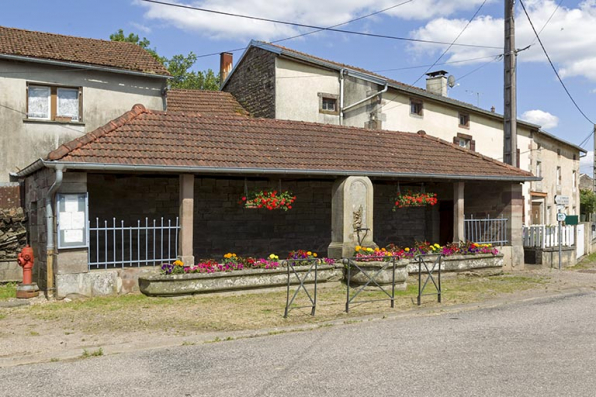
[
  {"x": 571, "y": 220},
  {"x": 562, "y": 200},
  {"x": 561, "y": 217}
]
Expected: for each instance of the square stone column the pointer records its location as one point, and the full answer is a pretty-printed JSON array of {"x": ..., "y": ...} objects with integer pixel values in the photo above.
[
  {"x": 352, "y": 216},
  {"x": 458, "y": 212},
  {"x": 512, "y": 199},
  {"x": 185, "y": 241}
]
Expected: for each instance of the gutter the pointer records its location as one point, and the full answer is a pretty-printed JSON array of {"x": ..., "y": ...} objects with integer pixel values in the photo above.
[
  {"x": 83, "y": 66},
  {"x": 50, "y": 246},
  {"x": 251, "y": 171}
]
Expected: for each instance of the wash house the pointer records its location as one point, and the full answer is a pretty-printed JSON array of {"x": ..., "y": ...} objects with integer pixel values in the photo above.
[{"x": 150, "y": 187}]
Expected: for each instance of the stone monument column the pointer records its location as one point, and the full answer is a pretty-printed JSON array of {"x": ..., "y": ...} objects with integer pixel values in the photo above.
[{"x": 352, "y": 216}]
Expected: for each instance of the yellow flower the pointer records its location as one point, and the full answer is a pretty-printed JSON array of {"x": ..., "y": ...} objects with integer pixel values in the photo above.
[
  {"x": 309, "y": 253},
  {"x": 315, "y": 254},
  {"x": 178, "y": 263},
  {"x": 407, "y": 249},
  {"x": 228, "y": 255},
  {"x": 358, "y": 248},
  {"x": 377, "y": 249},
  {"x": 383, "y": 249},
  {"x": 437, "y": 245},
  {"x": 369, "y": 249},
  {"x": 273, "y": 257},
  {"x": 387, "y": 253}
]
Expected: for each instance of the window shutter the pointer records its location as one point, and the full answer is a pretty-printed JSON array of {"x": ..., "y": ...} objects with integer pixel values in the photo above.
[
  {"x": 473, "y": 145},
  {"x": 456, "y": 140}
]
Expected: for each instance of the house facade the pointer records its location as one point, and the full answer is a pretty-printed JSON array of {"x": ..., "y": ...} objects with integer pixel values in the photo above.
[
  {"x": 55, "y": 88},
  {"x": 276, "y": 82},
  {"x": 149, "y": 165}
]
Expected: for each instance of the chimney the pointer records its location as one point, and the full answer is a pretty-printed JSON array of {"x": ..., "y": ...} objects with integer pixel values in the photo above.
[
  {"x": 436, "y": 82},
  {"x": 225, "y": 66},
  {"x": 492, "y": 109}
]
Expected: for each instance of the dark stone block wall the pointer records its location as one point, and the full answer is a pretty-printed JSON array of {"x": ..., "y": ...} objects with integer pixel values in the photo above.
[
  {"x": 253, "y": 83},
  {"x": 222, "y": 224}
]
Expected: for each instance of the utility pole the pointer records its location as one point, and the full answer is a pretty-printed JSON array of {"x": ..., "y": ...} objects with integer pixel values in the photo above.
[
  {"x": 509, "y": 88},
  {"x": 594, "y": 160}
]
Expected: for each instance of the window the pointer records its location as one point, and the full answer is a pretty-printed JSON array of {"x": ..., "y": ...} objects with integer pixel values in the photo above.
[
  {"x": 328, "y": 103},
  {"x": 539, "y": 169},
  {"x": 574, "y": 180},
  {"x": 464, "y": 120},
  {"x": 54, "y": 103},
  {"x": 416, "y": 107},
  {"x": 559, "y": 176},
  {"x": 465, "y": 141}
]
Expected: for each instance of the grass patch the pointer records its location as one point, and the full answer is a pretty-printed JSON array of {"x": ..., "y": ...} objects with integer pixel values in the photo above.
[
  {"x": 251, "y": 311},
  {"x": 7, "y": 291},
  {"x": 96, "y": 353},
  {"x": 588, "y": 262}
]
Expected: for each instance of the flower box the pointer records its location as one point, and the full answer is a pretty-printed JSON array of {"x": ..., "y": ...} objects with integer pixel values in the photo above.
[
  {"x": 197, "y": 283},
  {"x": 369, "y": 269},
  {"x": 461, "y": 263}
]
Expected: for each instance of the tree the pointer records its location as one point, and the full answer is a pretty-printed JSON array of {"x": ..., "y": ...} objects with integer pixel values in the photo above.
[
  {"x": 178, "y": 65},
  {"x": 587, "y": 200}
]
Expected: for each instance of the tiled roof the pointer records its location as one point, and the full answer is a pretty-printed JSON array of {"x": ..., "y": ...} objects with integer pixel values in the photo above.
[
  {"x": 78, "y": 50},
  {"x": 149, "y": 138},
  {"x": 207, "y": 103}
]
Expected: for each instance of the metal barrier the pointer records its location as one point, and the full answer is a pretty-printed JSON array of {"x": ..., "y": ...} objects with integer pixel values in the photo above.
[
  {"x": 291, "y": 264},
  {"x": 422, "y": 262},
  {"x": 116, "y": 245},
  {"x": 349, "y": 263},
  {"x": 486, "y": 231}
]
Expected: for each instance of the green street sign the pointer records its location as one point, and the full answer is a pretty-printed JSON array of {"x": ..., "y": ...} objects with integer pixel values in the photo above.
[{"x": 571, "y": 220}]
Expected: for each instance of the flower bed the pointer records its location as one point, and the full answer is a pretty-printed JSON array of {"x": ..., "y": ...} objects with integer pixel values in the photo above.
[{"x": 235, "y": 273}]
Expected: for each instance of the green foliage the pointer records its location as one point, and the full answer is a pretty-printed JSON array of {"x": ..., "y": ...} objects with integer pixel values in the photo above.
[
  {"x": 178, "y": 66},
  {"x": 7, "y": 291},
  {"x": 587, "y": 200}
]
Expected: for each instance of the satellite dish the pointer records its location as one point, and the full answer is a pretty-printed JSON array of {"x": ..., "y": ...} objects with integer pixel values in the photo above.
[{"x": 451, "y": 81}]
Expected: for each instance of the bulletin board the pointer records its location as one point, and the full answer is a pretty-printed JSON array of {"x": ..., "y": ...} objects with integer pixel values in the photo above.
[{"x": 72, "y": 220}]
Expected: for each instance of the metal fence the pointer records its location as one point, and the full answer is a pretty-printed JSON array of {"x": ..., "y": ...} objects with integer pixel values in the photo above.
[
  {"x": 544, "y": 236},
  {"x": 119, "y": 246},
  {"x": 486, "y": 231}
]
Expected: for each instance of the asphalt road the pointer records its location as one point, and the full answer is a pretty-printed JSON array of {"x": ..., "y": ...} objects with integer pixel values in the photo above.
[{"x": 544, "y": 347}]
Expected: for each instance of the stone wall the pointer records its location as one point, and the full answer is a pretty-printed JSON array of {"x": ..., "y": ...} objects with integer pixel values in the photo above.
[
  {"x": 36, "y": 188},
  {"x": 223, "y": 225},
  {"x": 10, "y": 195},
  {"x": 253, "y": 83}
]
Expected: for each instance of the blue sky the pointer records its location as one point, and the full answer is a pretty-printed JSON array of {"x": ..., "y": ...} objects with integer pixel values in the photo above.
[{"x": 569, "y": 37}]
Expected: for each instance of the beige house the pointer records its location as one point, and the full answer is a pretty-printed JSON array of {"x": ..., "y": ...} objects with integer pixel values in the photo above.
[
  {"x": 276, "y": 82},
  {"x": 55, "y": 88}
]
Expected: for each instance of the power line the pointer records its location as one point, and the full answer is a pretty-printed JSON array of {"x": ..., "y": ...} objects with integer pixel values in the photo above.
[
  {"x": 314, "y": 31},
  {"x": 496, "y": 58},
  {"x": 452, "y": 43},
  {"x": 319, "y": 28},
  {"x": 25, "y": 114},
  {"x": 547, "y": 21},
  {"x": 552, "y": 65}
]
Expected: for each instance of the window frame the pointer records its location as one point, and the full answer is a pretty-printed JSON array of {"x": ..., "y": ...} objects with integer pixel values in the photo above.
[
  {"x": 417, "y": 102},
  {"x": 467, "y": 118},
  {"x": 53, "y": 103},
  {"x": 326, "y": 96},
  {"x": 469, "y": 139}
]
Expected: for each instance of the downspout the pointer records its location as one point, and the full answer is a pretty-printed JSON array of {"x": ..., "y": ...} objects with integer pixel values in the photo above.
[
  {"x": 50, "y": 247},
  {"x": 341, "y": 96}
]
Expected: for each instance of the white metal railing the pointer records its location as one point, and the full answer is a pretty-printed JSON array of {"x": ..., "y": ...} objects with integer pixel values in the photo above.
[
  {"x": 486, "y": 231},
  {"x": 117, "y": 245},
  {"x": 544, "y": 236}
]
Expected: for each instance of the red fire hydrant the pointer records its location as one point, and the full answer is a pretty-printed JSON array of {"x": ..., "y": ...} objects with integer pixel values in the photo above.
[{"x": 26, "y": 289}]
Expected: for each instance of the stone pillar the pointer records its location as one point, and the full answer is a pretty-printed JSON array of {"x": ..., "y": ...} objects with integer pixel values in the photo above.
[
  {"x": 352, "y": 213},
  {"x": 458, "y": 212},
  {"x": 185, "y": 249},
  {"x": 512, "y": 198}
]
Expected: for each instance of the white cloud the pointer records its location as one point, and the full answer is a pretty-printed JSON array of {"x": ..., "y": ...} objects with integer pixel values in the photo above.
[
  {"x": 586, "y": 164},
  {"x": 542, "y": 118},
  {"x": 308, "y": 12},
  {"x": 141, "y": 27},
  {"x": 569, "y": 37}
]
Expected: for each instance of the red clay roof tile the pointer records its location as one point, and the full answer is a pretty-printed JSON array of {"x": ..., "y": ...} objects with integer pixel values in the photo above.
[
  {"x": 78, "y": 50},
  {"x": 206, "y": 103},
  {"x": 143, "y": 137}
]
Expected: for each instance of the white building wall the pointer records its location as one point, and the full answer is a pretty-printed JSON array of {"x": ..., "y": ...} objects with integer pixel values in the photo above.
[{"x": 106, "y": 96}]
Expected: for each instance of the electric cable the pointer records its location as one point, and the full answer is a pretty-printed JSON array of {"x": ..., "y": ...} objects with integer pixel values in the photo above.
[
  {"x": 312, "y": 26},
  {"x": 552, "y": 65}
]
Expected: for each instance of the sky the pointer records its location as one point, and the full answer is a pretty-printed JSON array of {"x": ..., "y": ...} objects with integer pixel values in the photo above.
[{"x": 567, "y": 29}]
